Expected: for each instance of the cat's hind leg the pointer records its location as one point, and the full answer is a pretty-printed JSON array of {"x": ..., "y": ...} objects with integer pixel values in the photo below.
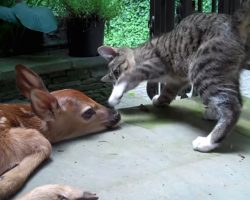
[
  {"x": 227, "y": 108},
  {"x": 214, "y": 71},
  {"x": 210, "y": 113}
]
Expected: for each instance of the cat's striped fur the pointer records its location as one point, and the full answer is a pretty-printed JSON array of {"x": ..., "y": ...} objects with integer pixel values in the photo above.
[{"x": 206, "y": 50}]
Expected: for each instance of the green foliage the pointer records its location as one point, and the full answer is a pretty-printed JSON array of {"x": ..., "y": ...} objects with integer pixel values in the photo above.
[
  {"x": 130, "y": 28},
  {"x": 9, "y": 3},
  {"x": 55, "y": 5},
  {"x": 206, "y": 4},
  {"x": 104, "y": 9}
]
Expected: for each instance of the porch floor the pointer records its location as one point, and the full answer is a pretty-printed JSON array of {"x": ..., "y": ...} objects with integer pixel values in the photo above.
[{"x": 151, "y": 158}]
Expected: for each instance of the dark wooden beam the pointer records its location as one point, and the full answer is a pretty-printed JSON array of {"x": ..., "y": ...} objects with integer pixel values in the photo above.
[
  {"x": 235, "y": 4},
  {"x": 200, "y": 8},
  {"x": 169, "y": 15},
  {"x": 224, "y": 6},
  {"x": 151, "y": 21},
  {"x": 214, "y": 6},
  {"x": 187, "y": 7}
]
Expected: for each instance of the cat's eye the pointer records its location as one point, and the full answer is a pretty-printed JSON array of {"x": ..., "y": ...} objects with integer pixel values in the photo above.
[
  {"x": 87, "y": 114},
  {"x": 116, "y": 73}
]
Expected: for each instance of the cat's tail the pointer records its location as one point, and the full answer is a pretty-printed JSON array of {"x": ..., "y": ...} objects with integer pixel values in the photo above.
[{"x": 241, "y": 19}]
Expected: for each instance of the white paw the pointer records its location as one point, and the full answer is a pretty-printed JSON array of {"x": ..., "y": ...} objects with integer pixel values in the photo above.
[
  {"x": 203, "y": 144},
  {"x": 114, "y": 101},
  {"x": 117, "y": 94},
  {"x": 190, "y": 94},
  {"x": 155, "y": 100}
]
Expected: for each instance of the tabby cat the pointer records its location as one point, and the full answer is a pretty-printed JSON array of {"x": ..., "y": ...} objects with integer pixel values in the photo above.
[{"x": 205, "y": 50}]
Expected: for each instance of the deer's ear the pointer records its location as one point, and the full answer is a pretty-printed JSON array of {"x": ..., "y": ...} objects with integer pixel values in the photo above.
[
  {"x": 44, "y": 104},
  {"x": 26, "y": 80},
  {"x": 107, "y": 52}
]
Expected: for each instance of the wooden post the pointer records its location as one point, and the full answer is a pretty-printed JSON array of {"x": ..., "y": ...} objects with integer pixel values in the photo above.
[
  {"x": 151, "y": 21},
  {"x": 223, "y": 6},
  {"x": 169, "y": 15},
  {"x": 187, "y": 7},
  {"x": 200, "y": 5},
  {"x": 162, "y": 16},
  {"x": 214, "y": 6}
]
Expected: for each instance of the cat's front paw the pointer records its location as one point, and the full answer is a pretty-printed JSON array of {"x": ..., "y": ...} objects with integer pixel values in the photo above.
[
  {"x": 204, "y": 144},
  {"x": 117, "y": 94},
  {"x": 155, "y": 100},
  {"x": 157, "y": 103},
  {"x": 114, "y": 101}
]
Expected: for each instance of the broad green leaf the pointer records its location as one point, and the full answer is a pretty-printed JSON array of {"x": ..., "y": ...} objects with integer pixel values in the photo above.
[
  {"x": 36, "y": 18},
  {"x": 7, "y": 14}
]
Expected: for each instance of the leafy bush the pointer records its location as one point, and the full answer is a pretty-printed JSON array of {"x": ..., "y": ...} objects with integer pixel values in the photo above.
[
  {"x": 207, "y": 5},
  {"x": 130, "y": 28},
  {"x": 104, "y": 9}
]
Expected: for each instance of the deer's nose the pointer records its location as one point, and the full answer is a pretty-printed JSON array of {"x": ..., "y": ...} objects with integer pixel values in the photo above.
[
  {"x": 114, "y": 118},
  {"x": 117, "y": 116}
]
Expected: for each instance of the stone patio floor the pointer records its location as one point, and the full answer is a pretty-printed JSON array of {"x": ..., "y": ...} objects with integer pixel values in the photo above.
[{"x": 150, "y": 156}]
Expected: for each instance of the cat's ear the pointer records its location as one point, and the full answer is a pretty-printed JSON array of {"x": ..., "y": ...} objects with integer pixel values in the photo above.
[
  {"x": 107, "y": 79},
  {"x": 107, "y": 52}
]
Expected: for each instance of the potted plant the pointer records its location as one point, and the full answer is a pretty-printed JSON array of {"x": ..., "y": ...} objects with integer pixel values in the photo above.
[
  {"x": 22, "y": 26},
  {"x": 85, "y": 24}
]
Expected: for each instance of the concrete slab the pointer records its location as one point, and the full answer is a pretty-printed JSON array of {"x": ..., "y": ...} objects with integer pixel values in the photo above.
[{"x": 151, "y": 158}]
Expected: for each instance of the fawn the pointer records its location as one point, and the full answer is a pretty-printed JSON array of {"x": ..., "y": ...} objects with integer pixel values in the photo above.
[{"x": 28, "y": 130}]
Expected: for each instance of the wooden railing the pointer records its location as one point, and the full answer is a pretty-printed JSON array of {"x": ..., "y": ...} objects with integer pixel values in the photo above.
[{"x": 165, "y": 14}]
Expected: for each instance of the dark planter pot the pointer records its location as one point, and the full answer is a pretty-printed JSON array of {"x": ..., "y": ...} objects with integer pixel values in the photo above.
[
  {"x": 17, "y": 40},
  {"x": 84, "y": 37}
]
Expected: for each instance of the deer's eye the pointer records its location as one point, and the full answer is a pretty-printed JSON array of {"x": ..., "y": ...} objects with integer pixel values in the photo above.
[{"x": 88, "y": 113}]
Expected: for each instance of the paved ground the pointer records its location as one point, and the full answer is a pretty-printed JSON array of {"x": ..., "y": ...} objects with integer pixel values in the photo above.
[{"x": 151, "y": 158}]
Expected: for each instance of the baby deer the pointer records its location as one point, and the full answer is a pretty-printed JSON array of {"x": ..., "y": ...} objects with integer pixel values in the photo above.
[{"x": 28, "y": 130}]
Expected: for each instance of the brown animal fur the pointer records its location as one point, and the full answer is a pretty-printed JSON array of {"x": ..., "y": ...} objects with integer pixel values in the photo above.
[
  {"x": 28, "y": 130},
  {"x": 58, "y": 192}
]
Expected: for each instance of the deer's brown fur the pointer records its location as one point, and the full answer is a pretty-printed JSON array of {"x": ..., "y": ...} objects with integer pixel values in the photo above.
[{"x": 28, "y": 130}]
